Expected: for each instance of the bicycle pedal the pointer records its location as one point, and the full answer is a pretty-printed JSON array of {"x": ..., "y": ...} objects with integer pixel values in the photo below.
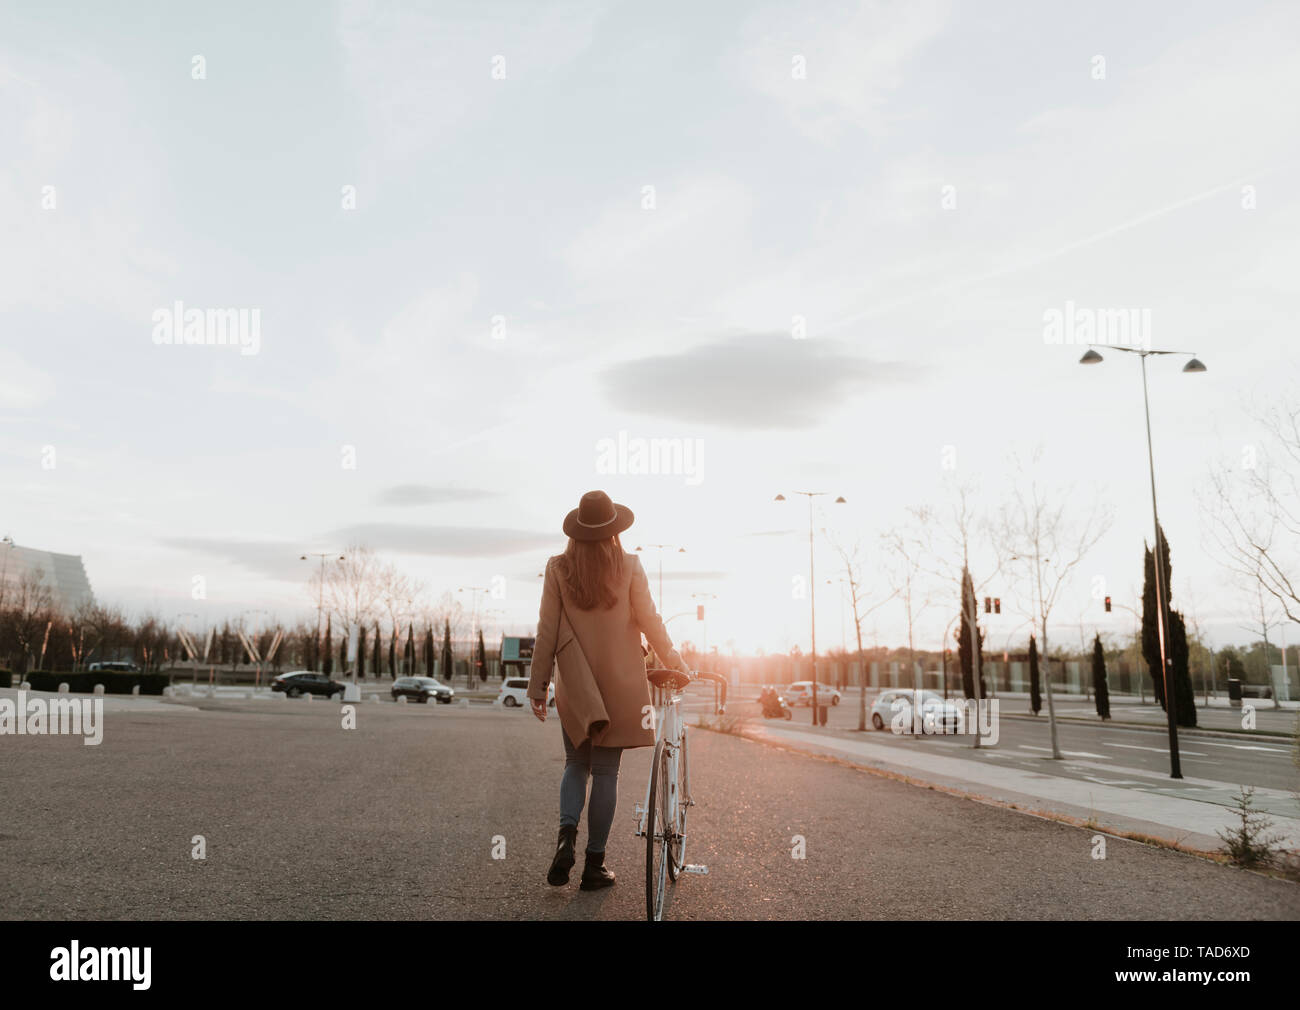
[{"x": 699, "y": 869}]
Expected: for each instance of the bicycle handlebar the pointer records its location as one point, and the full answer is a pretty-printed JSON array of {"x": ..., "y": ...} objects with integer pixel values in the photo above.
[{"x": 719, "y": 679}]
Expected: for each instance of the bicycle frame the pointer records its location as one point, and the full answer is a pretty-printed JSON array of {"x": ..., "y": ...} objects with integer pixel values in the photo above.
[{"x": 668, "y": 729}]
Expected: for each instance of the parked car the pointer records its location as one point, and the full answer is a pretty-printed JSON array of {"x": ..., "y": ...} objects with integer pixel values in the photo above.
[
  {"x": 514, "y": 692},
  {"x": 300, "y": 682},
  {"x": 800, "y": 693},
  {"x": 421, "y": 689},
  {"x": 113, "y": 667},
  {"x": 938, "y": 714}
]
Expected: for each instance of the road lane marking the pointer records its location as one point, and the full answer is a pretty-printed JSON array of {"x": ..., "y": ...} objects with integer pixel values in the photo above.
[
  {"x": 1243, "y": 746},
  {"x": 1067, "y": 753},
  {"x": 1157, "y": 750}
]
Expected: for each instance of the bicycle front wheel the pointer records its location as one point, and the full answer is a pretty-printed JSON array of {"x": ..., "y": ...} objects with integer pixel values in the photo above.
[{"x": 658, "y": 833}]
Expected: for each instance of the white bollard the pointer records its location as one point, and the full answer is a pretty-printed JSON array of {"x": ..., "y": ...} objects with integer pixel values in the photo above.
[
  {"x": 63, "y": 688},
  {"x": 464, "y": 703},
  {"x": 169, "y": 691},
  {"x": 135, "y": 690},
  {"x": 26, "y": 685},
  {"x": 373, "y": 697},
  {"x": 99, "y": 689},
  {"x": 401, "y": 700},
  {"x": 307, "y": 695}
]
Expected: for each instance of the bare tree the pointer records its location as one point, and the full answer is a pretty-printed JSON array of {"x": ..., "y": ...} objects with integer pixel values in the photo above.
[
  {"x": 29, "y": 613},
  {"x": 354, "y": 586},
  {"x": 953, "y": 534},
  {"x": 1264, "y": 617},
  {"x": 908, "y": 549},
  {"x": 1042, "y": 548},
  {"x": 1254, "y": 510},
  {"x": 852, "y": 560}
]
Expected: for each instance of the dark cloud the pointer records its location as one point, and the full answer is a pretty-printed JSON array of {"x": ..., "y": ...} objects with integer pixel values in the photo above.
[
  {"x": 446, "y": 541},
  {"x": 272, "y": 558},
  {"x": 429, "y": 494},
  {"x": 758, "y": 381}
]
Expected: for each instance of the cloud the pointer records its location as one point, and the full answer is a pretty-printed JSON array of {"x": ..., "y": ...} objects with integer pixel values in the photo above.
[
  {"x": 758, "y": 381},
  {"x": 22, "y": 386},
  {"x": 854, "y": 61},
  {"x": 428, "y": 494},
  {"x": 274, "y": 559},
  {"x": 445, "y": 541}
]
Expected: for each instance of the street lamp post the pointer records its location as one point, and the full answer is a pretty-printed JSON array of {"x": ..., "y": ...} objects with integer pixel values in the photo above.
[
  {"x": 812, "y": 588},
  {"x": 8, "y": 541},
  {"x": 473, "y": 645},
  {"x": 320, "y": 596},
  {"x": 660, "y": 548},
  {"x": 1162, "y": 623}
]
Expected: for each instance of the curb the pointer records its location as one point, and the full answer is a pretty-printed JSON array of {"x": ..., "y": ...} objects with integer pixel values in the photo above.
[{"x": 1229, "y": 734}]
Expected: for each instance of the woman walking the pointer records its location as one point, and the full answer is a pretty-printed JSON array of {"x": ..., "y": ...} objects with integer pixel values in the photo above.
[{"x": 596, "y": 605}]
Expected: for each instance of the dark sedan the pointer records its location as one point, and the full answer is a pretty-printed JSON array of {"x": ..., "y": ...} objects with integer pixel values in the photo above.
[
  {"x": 421, "y": 689},
  {"x": 305, "y": 682}
]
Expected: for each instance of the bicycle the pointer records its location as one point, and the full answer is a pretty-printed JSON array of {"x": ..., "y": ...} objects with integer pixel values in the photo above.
[{"x": 661, "y": 819}]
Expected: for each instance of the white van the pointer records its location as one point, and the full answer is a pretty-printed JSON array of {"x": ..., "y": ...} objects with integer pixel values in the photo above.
[{"x": 514, "y": 693}]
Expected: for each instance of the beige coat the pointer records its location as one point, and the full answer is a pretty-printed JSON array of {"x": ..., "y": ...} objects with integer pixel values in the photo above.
[{"x": 601, "y": 691}]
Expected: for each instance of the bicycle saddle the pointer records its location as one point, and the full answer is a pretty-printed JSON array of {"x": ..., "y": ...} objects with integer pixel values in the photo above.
[{"x": 674, "y": 679}]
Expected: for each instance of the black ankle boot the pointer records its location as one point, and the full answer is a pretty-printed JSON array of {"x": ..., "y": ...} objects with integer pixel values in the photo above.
[
  {"x": 594, "y": 874},
  {"x": 563, "y": 861}
]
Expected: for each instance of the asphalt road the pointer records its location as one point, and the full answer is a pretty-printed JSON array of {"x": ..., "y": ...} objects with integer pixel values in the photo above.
[
  {"x": 1237, "y": 759},
  {"x": 399, "y": 818}
]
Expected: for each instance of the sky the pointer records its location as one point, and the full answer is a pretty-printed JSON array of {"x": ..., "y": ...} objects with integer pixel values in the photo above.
[{"x": 492, "y": 249}]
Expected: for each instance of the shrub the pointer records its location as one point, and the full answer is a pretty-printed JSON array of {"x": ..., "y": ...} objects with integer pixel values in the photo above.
[{"x": 1250, "y": 844}]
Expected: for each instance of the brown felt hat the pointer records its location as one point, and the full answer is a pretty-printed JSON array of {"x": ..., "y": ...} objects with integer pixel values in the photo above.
[{"x": 596, "y": 518}]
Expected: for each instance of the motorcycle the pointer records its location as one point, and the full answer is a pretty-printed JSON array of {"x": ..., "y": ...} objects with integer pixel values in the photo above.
[{"x": 774, "y": 706}]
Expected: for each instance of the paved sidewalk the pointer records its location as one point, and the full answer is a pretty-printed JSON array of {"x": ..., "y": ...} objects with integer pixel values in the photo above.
[{"x": 1189, "y": 811}]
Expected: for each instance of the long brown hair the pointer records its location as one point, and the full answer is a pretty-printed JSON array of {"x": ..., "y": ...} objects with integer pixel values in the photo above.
[{"x": 590, "y": 571}]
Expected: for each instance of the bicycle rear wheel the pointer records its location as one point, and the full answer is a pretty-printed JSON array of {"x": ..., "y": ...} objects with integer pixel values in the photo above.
[{"x": 658, "y": 832}]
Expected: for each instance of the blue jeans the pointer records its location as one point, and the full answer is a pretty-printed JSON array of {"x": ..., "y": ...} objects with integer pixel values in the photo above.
[{"x": 602, "y": 764}]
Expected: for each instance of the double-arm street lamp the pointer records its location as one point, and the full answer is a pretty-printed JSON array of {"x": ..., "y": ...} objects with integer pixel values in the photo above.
[
  {"x": 812, "y": 588},
  {"x": 661, "y": 548},
  {"x": 1162, "y": 624},
  {"x": 320, "y": 597}
]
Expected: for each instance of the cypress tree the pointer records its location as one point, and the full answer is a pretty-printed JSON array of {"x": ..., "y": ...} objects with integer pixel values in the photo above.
[
  {"x": 1176, "y": 649},
  {"x": 482, "y": 658},
  {"x": 448, "y": 660},
  {"x": 968, "y": 667},
  {"x": 429, "y": 650},
  {"x": 361, "y": 653},
  {"x": 1035, "y": 687},
  {"x": 1099, "y": 686},
  {"x": 392, "y": 654},
  {"x": 377, "y": 659}
]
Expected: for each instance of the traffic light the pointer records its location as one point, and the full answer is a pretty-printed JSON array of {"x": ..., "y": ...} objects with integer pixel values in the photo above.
[
  {"x": 1108, "y": 604},
  {"x": 988, "y": 604},
  {"x": 699, "y": 611},
  {"x": 997, "y": 604}
]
